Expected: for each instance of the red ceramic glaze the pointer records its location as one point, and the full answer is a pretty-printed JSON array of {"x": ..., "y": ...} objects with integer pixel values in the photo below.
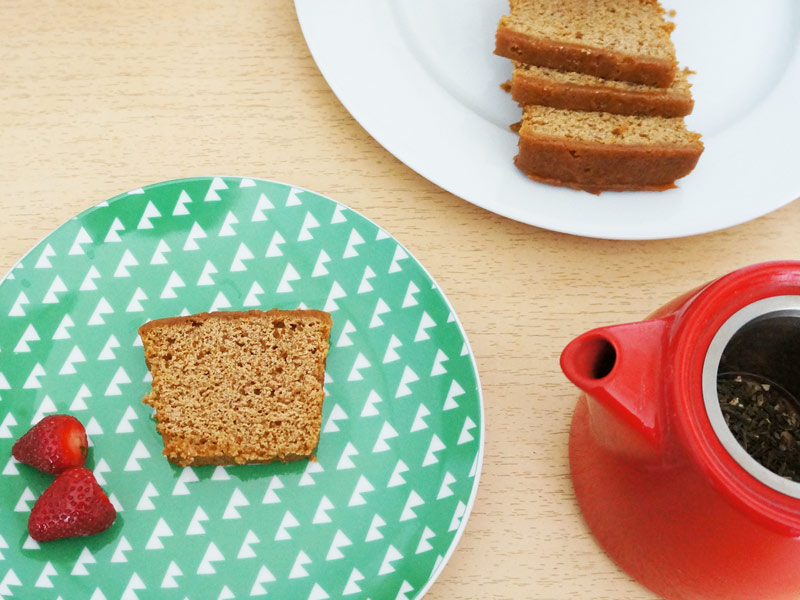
[{"x": 658, "y": 489}]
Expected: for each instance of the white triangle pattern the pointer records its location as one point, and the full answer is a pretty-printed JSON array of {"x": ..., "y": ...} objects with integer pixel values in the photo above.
[
  {"x": 246, "y": 551},
  {"x": 100, "y": 468},
  {"x": 227, "y": 229},
  {"x": 337, "y": 414},
  {"x": 387, "y": 432},
  {"x": 299, "y": 567},
  {"x": 187, "y": 476},
  {"x": 44, "y": 577},
  {"x": 309, "y": 223},
  {"x": 46, "y": 407},
  {"x": 5, "y": 427},
  {"x": 196, "y": 524},
  {"x": 319, "y": 267},
  {"x": 340, "y": 540},
  {"x": 352, "y": 587},
  {"x": 370, "y": 410},
  {"x": 161, "y": 530},
  {"x": 252, "y": 296},
  {"x": 344, "y": 336},
  {"x": 264, "y": 576},
  {"x": 89, "y": 284},
  {"x": 397, "y": 474},
  {"x": 259, "y": 214},
  {"x": 391, "y": 354},
  {"x": 158, "y": 256},
  {"x": 392, "y": 555},
  {"x": 119, "y": 553},
  {"x": 150, "y": 212},
  {"x": 173, "y": 571},
  {"x": 217, "y": 184},
  {"x": 365, "y": 285},
  {"x": 30, "y": 335},
  {"x": 287, "y": 522},
  {"x": 212, "y": 555},
  {"x": 321, "y": 516},
  {"x": 180, "y": 205},
  {"x": 45, "y": 256},
  {"x": 16, "y": 309},
  {"x": 374, "y": 532},
  {"x": 85, "y": 558},
  {"x": 127, "y": 260}
]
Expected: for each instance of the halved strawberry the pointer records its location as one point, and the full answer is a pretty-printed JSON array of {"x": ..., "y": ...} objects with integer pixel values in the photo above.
[
  {"x": 54, "y": 444},
  {"x": 73, "y": 505}
]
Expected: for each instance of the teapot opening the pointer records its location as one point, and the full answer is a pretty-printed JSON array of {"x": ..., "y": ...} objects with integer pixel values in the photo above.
[
  {"x": 594, "y": 357},
  {"x": 751, "y": 386}
]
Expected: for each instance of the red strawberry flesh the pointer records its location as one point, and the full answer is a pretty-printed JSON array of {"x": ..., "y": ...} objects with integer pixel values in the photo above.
[
  {"x": 74, "y": 505},
  {"x": 54, "y": 444}
]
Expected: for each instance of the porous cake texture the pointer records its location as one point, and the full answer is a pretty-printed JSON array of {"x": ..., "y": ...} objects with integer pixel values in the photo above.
[
  {"x": 598, "y": 151},
  {"x": 627, "y": 40},
  {"x": 577, "y": 91},
  {"x": 237, "y": 387}
]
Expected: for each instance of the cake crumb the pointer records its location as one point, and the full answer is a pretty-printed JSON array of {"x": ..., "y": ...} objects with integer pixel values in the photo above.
[{"x": 237, "y": 387}]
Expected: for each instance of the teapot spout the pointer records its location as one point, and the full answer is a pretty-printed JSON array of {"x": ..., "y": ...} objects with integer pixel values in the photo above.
[{"x": 619, "y": 370}]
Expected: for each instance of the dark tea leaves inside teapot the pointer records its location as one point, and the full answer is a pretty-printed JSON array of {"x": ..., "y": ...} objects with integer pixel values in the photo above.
[{"x": 764, "y": 419}]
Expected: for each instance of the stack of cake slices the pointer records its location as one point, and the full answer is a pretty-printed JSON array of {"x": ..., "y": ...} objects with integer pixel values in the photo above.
[{"x": 602, "y": 96}]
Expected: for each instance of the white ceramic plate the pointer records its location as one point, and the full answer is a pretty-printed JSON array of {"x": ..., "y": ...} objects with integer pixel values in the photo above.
[{"x": 421, "y": 78}]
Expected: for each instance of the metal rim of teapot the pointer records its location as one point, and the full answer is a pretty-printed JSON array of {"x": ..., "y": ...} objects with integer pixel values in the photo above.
[{"x": 775, "y": 306}]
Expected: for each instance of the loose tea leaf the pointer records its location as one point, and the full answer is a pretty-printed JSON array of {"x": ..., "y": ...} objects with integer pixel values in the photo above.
[{"x": 765, "y": 420}]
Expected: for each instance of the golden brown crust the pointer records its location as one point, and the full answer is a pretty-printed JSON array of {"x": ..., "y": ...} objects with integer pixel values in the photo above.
[
  {"x": 527, "y": 88},
  {"x": 565, "y": 56},
  {"x": 595, "y": 168},
  {"x": 223, "y": 461},
  {"x": 231, "y": 314}
]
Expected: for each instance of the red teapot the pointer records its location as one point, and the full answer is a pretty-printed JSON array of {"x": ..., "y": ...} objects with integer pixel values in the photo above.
[{"x": 665, "y": 487}]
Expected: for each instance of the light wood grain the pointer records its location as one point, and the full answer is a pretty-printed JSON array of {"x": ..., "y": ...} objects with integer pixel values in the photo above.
[{"x": 99, "y": 97}]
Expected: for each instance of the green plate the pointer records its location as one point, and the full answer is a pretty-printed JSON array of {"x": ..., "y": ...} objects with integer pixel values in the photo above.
[{"x": 402, "y": 437}]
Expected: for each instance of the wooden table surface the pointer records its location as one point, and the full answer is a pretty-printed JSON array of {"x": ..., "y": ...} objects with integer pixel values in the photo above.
[{"x": 99, "y": 97}]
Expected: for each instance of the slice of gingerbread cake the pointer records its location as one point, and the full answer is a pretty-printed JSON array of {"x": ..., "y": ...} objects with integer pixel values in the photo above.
[
  {"x": 627, "y": 40},
  {"x": 578, "y": 91},
  {"x": 238, "y": 387},
  {"x": 597, "y": 151}
]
